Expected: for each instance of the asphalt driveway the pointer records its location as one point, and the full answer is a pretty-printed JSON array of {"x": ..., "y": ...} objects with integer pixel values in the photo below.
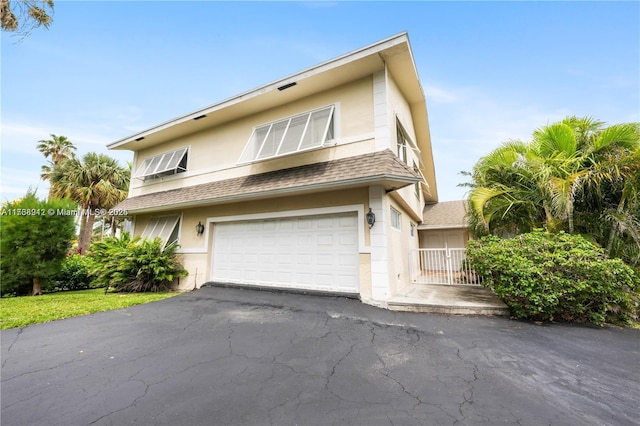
[{"x": 231, "y": 356}]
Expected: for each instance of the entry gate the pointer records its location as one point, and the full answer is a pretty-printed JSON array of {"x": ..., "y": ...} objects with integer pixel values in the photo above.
[{"x": 441, "y": 266}]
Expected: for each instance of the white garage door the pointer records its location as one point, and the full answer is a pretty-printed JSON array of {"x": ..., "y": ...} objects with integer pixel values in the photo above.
[{"x": 307, "y": 252}]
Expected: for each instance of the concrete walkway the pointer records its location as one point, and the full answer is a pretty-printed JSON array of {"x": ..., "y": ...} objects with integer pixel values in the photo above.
[{"x": 448, "y": 299}]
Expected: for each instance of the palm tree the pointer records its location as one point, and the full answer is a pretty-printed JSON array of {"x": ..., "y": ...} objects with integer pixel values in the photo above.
[
  {"x": 59, "y": 148},
  {"x": 96, "y": 182},
  {"x": 575, "y": 175}
]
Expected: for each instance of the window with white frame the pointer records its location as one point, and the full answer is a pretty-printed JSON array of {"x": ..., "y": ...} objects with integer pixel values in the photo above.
[
  {"x": 165, "y": 164},
  {"x": 402, "y": 141},
  {"x": 167, "y": 228},
  {"x": 416, "y": 169},
  {"x": 298, "y": 133},
  {"x": 395, "y": 219}
]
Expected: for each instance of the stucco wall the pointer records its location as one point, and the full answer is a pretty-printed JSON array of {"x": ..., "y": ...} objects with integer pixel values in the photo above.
[
  {"x": 401, "y": 242},
  {"x": 214, "y": 153}
]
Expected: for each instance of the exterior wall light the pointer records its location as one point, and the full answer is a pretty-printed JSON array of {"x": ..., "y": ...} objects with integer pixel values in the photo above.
[
  {"x": 371, "y": 218},
  {"x": 199, "y": 228}
]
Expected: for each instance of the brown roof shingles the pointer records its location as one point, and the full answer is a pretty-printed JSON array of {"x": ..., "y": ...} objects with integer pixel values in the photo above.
[
  {"x": 445, "y": 214},
  {"x": 377, "y": 166}
]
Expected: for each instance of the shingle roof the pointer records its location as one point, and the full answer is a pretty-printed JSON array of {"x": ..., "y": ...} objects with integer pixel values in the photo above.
[
  {"x": 448, "y": 214},
  {"x": 382, "y": 166}
]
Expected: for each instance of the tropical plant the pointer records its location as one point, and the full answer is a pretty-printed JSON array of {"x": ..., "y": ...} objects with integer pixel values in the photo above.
[
  {"x": 575, "y": 175},
  {"x": 36, "y": 236},
  {"x": 72, "y": 275},
  {"x": 59, "y": 148},
  {"x": 129, "y": 264},
  {"x": 96, "y": 182},
  {"x": 556, "y": 276},
  {"x": 22, "y": 16}
]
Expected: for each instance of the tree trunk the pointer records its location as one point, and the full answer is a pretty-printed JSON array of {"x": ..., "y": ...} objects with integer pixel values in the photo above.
[
  {"x": 87, "y": 218},
  {"x": 37, "y": 287}
]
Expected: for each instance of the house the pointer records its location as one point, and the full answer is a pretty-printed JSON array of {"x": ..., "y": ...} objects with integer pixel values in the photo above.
[{"x": 317, "y": 181}]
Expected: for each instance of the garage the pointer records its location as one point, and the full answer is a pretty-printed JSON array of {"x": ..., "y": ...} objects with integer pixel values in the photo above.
[{"x": 317, "y": 253}]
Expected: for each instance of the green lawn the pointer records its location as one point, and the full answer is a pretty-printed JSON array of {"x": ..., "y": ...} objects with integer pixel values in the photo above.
[{"x": 23, "y": 311}]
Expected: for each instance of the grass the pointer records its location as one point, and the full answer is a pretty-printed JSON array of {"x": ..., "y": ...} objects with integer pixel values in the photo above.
[{"x": 29, "y": 310}]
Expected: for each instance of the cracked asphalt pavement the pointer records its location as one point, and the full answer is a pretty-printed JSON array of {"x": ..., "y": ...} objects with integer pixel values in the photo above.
[{"x": 220, "y": 356}]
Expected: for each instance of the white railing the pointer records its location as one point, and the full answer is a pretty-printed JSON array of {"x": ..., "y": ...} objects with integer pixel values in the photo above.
[{"x": 441, "y": 266}]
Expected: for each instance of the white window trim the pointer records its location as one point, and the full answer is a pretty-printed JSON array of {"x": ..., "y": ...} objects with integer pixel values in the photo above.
[
  {"x": 395, "y": 213},
  {"x": 147, "y": 174},
  {"x": 333, "y": 112}
]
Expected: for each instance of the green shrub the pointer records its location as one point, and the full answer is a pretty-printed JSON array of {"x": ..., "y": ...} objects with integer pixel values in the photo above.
[
  {"x": 128, "y": 264},
  {"x": 73, "y": 275},
  {"x": 544, "y": 276},
  {"x": 35, "y": 238}
]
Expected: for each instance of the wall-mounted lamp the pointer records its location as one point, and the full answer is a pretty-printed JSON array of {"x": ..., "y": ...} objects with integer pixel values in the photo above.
[
  {"x": 413, "y": 228},
  {"x": 199, "y": 228},
  {"x": 371, "y": 218}
]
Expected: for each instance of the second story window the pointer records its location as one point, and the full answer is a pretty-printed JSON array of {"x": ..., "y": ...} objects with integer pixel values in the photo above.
[
  {"x": 165, "y": 164},
  {"x": 403, "y": 142},
  {"x": 416, "y": 169},
  {"x": 294, "y": 134}
]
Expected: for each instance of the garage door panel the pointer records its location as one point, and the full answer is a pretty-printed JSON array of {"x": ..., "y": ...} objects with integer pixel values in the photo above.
[{"x": 310, "y": 252}]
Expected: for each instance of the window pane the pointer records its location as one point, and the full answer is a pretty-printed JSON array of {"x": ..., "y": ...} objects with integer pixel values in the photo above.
[
  {"x": 166, "y": 158},
  {"x": 273, "y": 139},
  {"x": 162, "y": 163},
  {"x": 175, "y": 160},
  {"x": 255, "y": 142},
  {"x": 294, "y": 134},
  {"x": 297, "y": 133},
  {"x": 152, "y": 165},
  {"x": 143, "y": 167},
  {"x": 165, "y": 227},
  {"x": 314, "y": 136},
  {"x": 395, "y": 218}
]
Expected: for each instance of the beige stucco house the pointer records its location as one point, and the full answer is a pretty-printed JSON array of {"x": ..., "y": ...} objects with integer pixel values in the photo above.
[{"x": 281, "y": 179}]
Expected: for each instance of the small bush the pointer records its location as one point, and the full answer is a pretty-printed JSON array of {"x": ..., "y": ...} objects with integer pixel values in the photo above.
[
  {"x": 128, "y": 264},
  {"x": 543, "y": 276},
  {"x": 73, "y": 275}
]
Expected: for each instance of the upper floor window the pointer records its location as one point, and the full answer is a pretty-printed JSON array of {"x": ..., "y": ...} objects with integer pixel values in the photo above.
[
  {"x": 416, "y": 169},
  {"x": 165, "y": 164},
  {"x": 294, "y": 134},
  {"x": 164, "y": 227},
  {"x": 403, "y": 142}
]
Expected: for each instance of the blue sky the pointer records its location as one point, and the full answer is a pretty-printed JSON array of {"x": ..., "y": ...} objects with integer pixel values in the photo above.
[{"x": 490, "y": 71}]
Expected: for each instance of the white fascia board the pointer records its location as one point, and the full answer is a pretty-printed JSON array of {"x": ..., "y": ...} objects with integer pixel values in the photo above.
[{"x": 322, "y": 67}]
